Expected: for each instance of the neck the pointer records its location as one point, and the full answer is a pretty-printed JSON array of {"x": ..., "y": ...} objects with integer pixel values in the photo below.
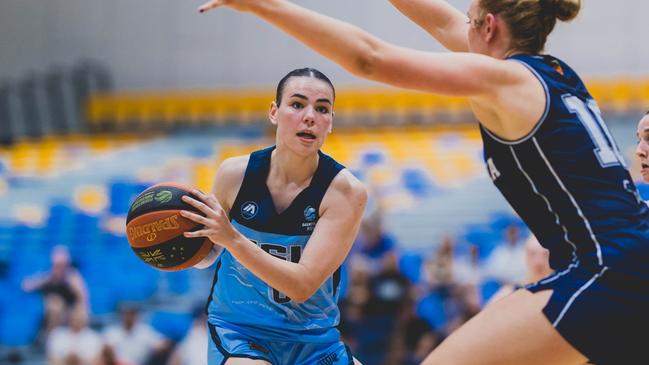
[{"x": 287, "y": 167}]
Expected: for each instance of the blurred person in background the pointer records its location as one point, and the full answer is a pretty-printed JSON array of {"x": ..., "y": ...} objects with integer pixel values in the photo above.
[
  {"x": 132, "y": 341},
  {"x": 537, "y": 266},
  {"x": 192, "y": 349},
  {"x": 63, "y": 287},
  {"x": 642, "y": 150},
  {"x": 506, "y": 263},
  {"x": 76, "y": 344},
  {"x": 373, "y": 243}
]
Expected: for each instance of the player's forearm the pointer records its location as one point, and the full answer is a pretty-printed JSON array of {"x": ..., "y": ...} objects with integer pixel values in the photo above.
[
  {"x": 437, "y": 17},
  {"x": 291, "y": 279},
  {"x": 343, "y": 43}
]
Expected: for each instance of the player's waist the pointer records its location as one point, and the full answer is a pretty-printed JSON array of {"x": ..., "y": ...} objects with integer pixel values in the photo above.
[{"x": 283, "y": 332}]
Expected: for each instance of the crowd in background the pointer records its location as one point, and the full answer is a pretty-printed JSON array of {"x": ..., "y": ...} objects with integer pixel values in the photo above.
[{"x": 395, "y": 307}]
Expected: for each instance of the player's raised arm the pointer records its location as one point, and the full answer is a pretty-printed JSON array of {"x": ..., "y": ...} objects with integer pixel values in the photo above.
[
  {"x": 437, "y": 17},
  {"x": 369, "y": 57}
]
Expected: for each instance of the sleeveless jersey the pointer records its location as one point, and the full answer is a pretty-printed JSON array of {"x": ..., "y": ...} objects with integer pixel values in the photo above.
[
  {"x": 568, "y": 181},
  {"x": 243, "y": 302}
]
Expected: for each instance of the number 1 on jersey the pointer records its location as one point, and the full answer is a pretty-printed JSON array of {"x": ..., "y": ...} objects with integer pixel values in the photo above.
[{"x": 590, "y": 116}]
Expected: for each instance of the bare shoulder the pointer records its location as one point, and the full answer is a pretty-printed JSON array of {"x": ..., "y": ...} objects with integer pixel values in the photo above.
[
  {"x": 228, "y": 180},
  {"x": 233, "y": 168},
  {"x": 346, "y": 187}
]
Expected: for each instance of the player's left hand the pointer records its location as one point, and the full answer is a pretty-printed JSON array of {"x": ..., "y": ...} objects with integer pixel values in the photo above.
[{"x": 217, "y": 226}]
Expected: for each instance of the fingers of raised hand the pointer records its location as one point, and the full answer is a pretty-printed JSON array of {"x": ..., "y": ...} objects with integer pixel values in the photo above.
[{"x": 210, "y": 5}]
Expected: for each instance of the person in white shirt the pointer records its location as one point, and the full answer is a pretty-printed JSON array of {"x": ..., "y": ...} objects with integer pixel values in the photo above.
[
  {"x": 133, "y": 341},
  {"x": 192, "y": 348},
  {"x": 76, "y": 344}
]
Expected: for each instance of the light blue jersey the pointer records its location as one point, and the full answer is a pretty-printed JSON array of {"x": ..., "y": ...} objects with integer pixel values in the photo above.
[{"x": 242, "y": 302}]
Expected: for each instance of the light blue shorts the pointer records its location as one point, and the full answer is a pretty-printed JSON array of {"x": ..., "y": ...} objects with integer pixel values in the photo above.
[{"x": 226, "y": 343}]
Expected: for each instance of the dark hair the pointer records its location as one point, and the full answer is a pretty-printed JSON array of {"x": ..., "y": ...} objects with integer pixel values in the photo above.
[
  {"x": 530, "y": 21},
  {"x": 647, "y": 112},
  {"x": 301, "y": 72}
]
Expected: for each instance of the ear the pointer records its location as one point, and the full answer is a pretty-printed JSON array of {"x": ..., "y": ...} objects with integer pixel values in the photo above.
[
  {"x": 272, "y": 113},
  {"x": 331, "y": 126},
  {"x": 489, "y": 27}
]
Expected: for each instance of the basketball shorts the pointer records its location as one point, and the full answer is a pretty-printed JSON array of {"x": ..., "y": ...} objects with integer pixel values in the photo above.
[
  {"x": 226, "y": 343},
  {"x": 602, "y": 313}
]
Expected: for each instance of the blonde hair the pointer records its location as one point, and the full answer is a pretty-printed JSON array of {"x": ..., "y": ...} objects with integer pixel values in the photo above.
[{"x": 530, "y": 21}]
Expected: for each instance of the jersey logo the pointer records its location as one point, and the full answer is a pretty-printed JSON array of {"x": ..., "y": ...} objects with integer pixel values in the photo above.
[
  {"x": 493, "y": 171},
  {"x": 249, "y": 210},
  {"x": 309, "y": 213}
]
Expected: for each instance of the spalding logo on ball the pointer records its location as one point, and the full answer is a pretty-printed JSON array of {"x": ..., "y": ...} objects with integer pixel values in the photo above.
[{"x": 154, "y": 228}]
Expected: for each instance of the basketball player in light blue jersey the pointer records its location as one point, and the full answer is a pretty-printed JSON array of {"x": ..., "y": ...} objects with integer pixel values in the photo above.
[
  {"x": 547, "y": 150},
  {"x": 286, "y": 217},
  {"x": 642, "y": 150}
]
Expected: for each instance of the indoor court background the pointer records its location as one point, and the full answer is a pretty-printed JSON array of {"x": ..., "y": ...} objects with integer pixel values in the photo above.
[{"x": 99, "y": 100}]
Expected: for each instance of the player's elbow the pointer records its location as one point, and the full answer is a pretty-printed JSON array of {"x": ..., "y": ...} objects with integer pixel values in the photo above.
[
  {"x": 303, "y": 290},
  {"x": 366, "y": 62},
  {"x": 302, "y": 295}
]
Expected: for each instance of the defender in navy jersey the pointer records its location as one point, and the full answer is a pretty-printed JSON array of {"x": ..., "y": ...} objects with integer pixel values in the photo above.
[
  {"x": 286, "y": 217},
  {"x": 547, "y": 150}
]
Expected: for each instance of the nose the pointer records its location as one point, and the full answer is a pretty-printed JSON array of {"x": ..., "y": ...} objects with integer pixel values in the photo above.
[
  {"x": 309, "y": 116},
  {"x": 641, "y": 151}
]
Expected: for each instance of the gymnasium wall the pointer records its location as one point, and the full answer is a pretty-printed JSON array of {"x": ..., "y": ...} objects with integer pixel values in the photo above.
[{"x": 165, "y": 44}]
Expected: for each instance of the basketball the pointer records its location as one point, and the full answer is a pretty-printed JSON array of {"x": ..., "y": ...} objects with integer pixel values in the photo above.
[{"x": 154, "y": 228}]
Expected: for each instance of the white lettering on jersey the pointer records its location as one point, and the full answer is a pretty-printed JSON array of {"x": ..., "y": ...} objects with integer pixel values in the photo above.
[{"x": 493, "y": 171}]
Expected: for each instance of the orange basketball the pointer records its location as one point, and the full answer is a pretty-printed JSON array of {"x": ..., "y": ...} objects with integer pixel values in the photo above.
[{"x": 154, "y": 228}]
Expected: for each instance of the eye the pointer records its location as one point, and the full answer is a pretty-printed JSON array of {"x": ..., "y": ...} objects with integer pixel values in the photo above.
[
  {"x": 322, "y": 109},
  {"x": 297, "y": 105}
]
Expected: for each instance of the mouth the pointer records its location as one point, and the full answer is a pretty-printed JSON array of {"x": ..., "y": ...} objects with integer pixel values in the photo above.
[
  {"x": 306, "y": 135},
  {"x": 645, "y": 166}
]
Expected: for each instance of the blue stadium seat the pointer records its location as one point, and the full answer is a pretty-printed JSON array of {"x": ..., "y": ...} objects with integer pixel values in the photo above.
[
  {"x": 418, "y": 182},
  {"x": 410, "y": 266},
  {"x": 431, "y": 308},
  {"x": 173, "y": 325}
]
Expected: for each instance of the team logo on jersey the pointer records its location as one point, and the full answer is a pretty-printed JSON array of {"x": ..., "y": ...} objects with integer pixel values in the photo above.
[
  {"x": 309, "y": 213},
  {"x": 249, "y": 210}
]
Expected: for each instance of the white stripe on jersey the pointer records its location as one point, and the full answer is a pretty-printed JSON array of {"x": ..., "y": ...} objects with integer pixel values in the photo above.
[
  {"x": 574, "y": 296},
  {"x": 574, "y": 203}
]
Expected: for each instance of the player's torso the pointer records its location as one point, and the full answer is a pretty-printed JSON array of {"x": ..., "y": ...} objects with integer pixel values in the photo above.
[
  {"x": 568, "y": 181},
  {"x": 243, "y": 300}
]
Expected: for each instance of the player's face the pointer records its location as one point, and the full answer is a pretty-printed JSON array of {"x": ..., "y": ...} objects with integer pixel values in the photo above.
[
  {"x": 305, "y": 115},
  {"x": 642, "y": 151},
  {"x": 474, "y": 39}
]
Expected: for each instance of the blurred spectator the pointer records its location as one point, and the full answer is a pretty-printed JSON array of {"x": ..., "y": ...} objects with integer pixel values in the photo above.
[
  {"x": 537, "y": 265},
  {"x": 418, "y": 337},
  {"x": 132, "y": 341},
  {"x": 468, "y": 270},
  {"x": 192, "y": 350},
  {"x": 438, "y": 270},
  {"x": 506, "y": 262},
  {"x": 374, "y": 243},
  {"x": 64, "y": 289},
  {"x": 73, "y": 345}
]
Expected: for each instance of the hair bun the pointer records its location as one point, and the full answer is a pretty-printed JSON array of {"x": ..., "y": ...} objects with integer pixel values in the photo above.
[{"x": 564, "y": 10}]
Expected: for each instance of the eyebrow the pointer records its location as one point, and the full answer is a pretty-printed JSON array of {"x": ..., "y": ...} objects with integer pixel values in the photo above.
[{"x": 323, "y": 100}]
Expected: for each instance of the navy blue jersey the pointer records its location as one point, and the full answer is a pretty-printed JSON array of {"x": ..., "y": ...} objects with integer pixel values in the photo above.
[
  {"x": 243, "y": 302},
  {"x": 568, "y": 181}
]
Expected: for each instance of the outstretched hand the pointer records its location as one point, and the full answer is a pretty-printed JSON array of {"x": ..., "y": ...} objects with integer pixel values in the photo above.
[
  {"x": 217, "y": 226},
  {"x": 241, "y": 5}
]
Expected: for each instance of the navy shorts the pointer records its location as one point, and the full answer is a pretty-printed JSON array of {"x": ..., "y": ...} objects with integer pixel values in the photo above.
[
  {"x": 602, "y": 313},
  {"x": 226, "y": 343}
]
